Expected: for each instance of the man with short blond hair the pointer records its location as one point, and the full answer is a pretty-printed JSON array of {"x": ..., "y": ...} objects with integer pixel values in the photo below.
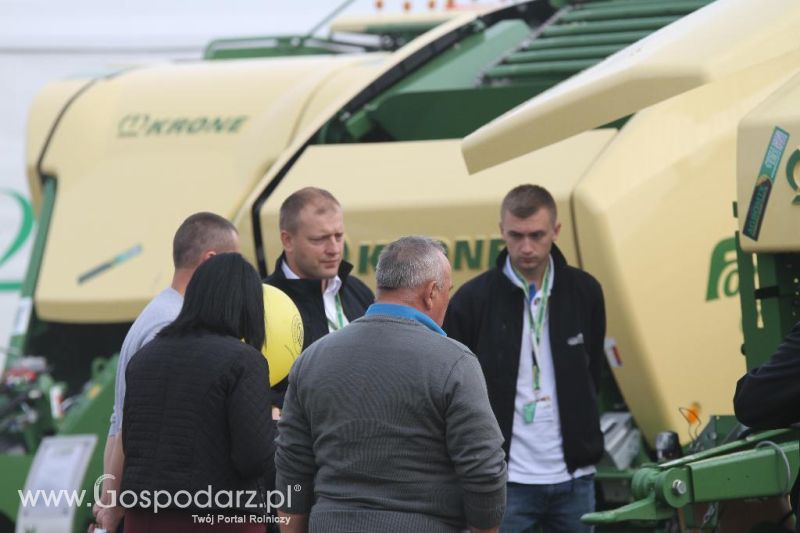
[
  {"x": 312, "y": 270},
  {"x": 537, "y": 326}
]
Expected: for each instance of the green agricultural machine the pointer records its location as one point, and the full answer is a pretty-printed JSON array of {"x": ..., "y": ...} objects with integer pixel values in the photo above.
[{"x": 631, "y": 112}]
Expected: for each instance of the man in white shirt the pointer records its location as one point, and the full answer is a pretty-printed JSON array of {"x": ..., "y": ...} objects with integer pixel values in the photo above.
[{"x": 537, "y": 326}]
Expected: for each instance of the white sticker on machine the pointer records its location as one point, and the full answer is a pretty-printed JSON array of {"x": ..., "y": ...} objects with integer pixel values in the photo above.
[
  {"x": 23, "y": 316},
  {"x": 612, "y": 353}
]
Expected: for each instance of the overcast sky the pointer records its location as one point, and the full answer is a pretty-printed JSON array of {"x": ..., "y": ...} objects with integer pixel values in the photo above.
[{"x": 123, "y": 23}]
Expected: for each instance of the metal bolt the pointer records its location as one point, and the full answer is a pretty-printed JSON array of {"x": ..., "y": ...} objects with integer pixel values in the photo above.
[{"x": 678, "y": 487}]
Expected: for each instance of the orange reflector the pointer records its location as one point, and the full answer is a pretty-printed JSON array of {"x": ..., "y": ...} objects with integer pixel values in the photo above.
[{"x": 693, "y": 413}]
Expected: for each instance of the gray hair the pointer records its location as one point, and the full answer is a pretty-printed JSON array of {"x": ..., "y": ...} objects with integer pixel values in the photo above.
[{"x": 410, "y": 262}]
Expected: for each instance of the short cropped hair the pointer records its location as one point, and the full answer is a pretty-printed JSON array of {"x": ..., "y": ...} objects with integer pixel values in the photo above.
[
  {"x": 289, "y": 215},
  {"x": 198, "y": 233},
  {"x": 410, "y": 262},
  {"x": 524, "y": 200},
  {"x": 224, "y": 296}
]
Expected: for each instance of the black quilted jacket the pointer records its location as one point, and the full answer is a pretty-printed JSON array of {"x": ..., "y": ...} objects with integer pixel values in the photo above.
[{"x": 197, "y": 413}]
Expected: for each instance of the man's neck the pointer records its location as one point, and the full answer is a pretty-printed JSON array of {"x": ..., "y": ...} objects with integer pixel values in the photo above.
[
  {"x": 537, "y": 277},
  {"x": 323, "y": 282},
  {"x": 180, "y": 279},
  {"x": 398, "y": 297}
]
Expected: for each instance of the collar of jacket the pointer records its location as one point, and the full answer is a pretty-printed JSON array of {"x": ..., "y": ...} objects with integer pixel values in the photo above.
[
  {"x": 277, "y": 273},
  {"x": 405, "y": 311},
  {"x": 559, "y": 263}
]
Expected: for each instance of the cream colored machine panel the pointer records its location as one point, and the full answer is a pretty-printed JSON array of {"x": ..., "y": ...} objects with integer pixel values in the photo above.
[
  {"x": 143, "y": 150},
  {"x": 768, "y": 173},
  {"x": 655, "y": 224},
  {"x": 718, "y": 40},
  {"x": 395, "y": 189}
]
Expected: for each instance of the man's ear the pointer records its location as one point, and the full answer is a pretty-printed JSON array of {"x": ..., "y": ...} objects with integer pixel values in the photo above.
[
  {"x": 286, "y": 239},
  {"x": 429, "y": 294},
  {"x": 557, "y": 230},
  {"x": 208, "y": 254}
]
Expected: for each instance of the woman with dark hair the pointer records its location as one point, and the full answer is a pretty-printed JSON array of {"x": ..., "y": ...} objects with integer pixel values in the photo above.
[{"x": 197, "y": 429}]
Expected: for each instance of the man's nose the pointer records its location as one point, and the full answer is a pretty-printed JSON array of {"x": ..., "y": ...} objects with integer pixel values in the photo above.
[
  {"x": 331, "y": 246},
  {"x": 527, "y": 244}
]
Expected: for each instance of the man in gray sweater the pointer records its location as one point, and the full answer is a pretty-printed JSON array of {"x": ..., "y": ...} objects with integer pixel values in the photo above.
[{"x": 386, "y": 424}]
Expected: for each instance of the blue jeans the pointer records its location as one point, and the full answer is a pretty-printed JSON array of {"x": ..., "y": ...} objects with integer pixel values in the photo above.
[{"x": 555, "y": 508}]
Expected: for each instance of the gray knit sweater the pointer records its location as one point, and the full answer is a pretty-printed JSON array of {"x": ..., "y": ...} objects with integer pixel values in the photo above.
[{"x": 387, "y": 427}]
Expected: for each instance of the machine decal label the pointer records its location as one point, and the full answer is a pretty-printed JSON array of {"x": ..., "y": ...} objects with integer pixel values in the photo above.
[
  {"x": 792, "y": 173},
  {"x": 612, "y": 352},
  {"x": 116, "y": 260},
  {"x": 466, "y": 253},
  {"x": 723, "y": 275},
  {"x": 763, "y": 188},
  {"x": 143, "y": 125}
]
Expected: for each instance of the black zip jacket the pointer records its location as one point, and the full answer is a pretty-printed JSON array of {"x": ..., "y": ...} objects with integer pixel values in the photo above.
[
  {"x": 486, "y": 315},
  {"x": 307, "y": 296},
  {"x": 767, "y": 396}
]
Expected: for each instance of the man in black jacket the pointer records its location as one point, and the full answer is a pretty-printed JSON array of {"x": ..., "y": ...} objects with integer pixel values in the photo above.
[
  {"x": 767, "y": 396},
  {"x": 538, "y": 326},
  {"x": 311, "y": 270}
]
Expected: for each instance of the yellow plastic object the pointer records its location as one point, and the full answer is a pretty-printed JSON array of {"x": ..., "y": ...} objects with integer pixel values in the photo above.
[
  {"x": 721, "y": 39},
  {"x": 768, "y": 172},
  {"x": 284, "y": 333}
]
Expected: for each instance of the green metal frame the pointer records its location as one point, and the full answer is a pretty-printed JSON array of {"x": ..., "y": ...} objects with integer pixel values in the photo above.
[
  {"x": 17, "y": 342},
  {"x": 741, "y": 469}
]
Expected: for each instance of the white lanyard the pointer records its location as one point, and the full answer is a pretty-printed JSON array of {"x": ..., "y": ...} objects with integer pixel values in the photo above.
[
  {"x": 536, "y": 323},
  {"x": 339, "y": 324}
]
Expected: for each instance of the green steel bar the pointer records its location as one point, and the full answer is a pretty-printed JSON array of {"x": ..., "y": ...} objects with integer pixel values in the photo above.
[
  {"x": 539, "y": 69},
  {"x": 756, "y": 339},
  {"x": 747, "y": 442},
  {"x": 648, "y": 509},
  {"x": 593, "y": 13},
  {"x": 17, "y": 341},
  {"x": 768, "y": 469},
  {"x": 586, "y": 40},
  {"x": 765, "y": 471},
  {"x": 579, "y": 52},
  {"x": 649, "y": 23}
]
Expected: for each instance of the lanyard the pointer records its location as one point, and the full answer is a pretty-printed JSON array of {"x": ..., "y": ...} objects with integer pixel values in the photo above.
[
  {"x": 536, "y": 323},
  {"x": 339, "y": 324}
]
